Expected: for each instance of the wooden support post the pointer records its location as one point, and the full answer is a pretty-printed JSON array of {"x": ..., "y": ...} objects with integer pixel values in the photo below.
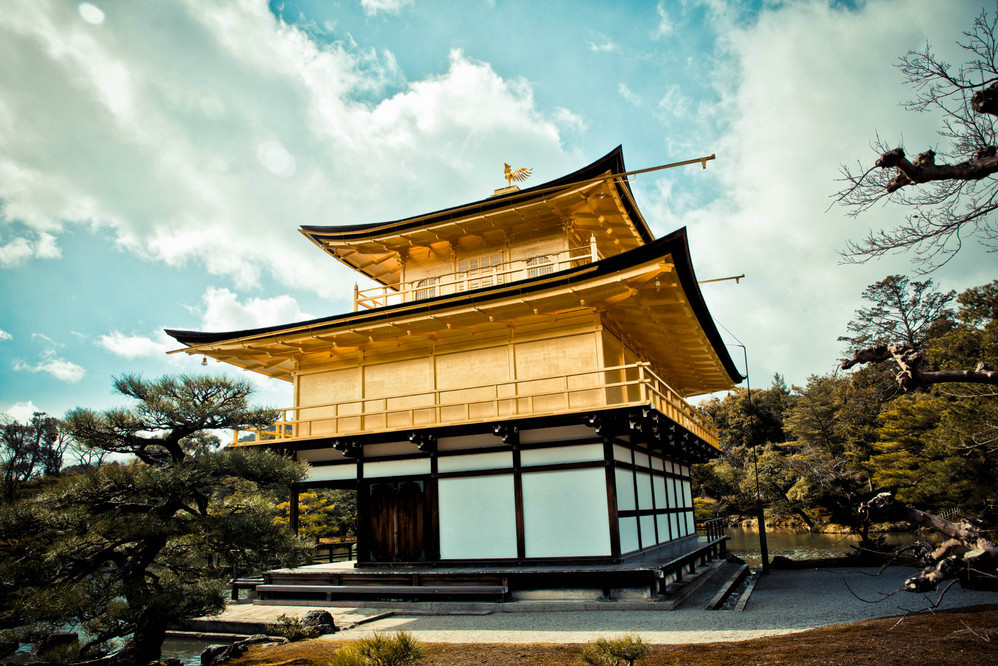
[{"x": 293, "y": 509}]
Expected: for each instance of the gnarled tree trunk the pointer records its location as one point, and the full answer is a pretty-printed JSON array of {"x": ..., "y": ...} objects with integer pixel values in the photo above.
[{"x": 967, "y": 550}]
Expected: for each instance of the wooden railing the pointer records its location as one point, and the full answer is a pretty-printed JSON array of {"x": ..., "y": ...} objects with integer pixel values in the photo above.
[
  {"x": 337, "y": 551},
  {"x": 712, "y": 528},
  {"x": 454, "y": 283},
  {"x": 620, "y": 386}
]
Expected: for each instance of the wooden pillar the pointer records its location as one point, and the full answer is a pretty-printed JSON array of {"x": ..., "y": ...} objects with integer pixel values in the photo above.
[
  {"x": 521, "y": 541},
  {"x": 293, "y": 509},
  {"x": 611, "y": 496},
  {"x": 363, "y": 519}
]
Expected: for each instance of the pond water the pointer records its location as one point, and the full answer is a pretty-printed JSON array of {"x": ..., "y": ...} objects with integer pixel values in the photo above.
[
  {"x": 744, "y": 542},
  {"x": 188, "y": 651}
]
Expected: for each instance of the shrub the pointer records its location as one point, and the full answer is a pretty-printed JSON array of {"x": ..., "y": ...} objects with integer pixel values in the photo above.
[
  {"x": 625, "y": 649},
  {"x": 292, "y": 628},
  {"x": 381, "y": 649}
]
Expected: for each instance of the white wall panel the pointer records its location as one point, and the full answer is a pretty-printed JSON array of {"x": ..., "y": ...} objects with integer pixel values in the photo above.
[
  {"x": 628, "y": 535},
  {"x": 648, "y": 531},
  {"x": 332, "y": 472},
  {"x": 625, "y": 489},
  {"x": 663, "y": 528},
  {"x": 687, "y": 494},
  {"x": 565, "y": 513},
  {"x": 621, "y": 453},
  {"x": 643, "y": 480},
  {"x": 494, "y": 460},
  {"x": 661, "y": 501},
  {"x": 477, "y": 517},
  {"x": 373, "y": 470},
  {"x": 562, "y": 454}
]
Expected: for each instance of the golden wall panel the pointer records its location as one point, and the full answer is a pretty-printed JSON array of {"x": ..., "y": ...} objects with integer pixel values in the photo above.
[
  {"x": 489, "y": 365},
  {"x": 389, "y": 379},
  {"x": 548, "y": 242}
]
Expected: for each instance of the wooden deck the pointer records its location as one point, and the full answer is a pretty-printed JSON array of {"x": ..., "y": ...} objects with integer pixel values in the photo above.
[{"x": 653, "y": 577}]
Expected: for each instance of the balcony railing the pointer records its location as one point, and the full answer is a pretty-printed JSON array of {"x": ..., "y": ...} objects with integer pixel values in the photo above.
[
  {"x": 621, "y": 386},
  {"x": 475, "y": 278}
]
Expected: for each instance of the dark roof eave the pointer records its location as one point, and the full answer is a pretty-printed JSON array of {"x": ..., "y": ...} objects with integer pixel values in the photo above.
[{"x": 674, "y": 244}]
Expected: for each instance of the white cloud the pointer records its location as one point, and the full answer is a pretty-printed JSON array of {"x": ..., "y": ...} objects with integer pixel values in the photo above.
[
  {"x": 601, "y": 44},
  {"x": 61, "y": 369},
  {"x": 136, "y": 346},
  {"x": 628, "y": 94},
  {"x": 570, "y": 121},
  {"x": 665, "y": 26},
  {"x": 90, "y": 13},
  {"x": 21, "y": 411},
  {"x": 4, "y": 335},
  {"x": 40, "y": 245},
  {"x": 214, "y": 130},
  {"x": 674, "y": 103},
  {"x": 222, "y": 311},
  {"x": 812, "y": 86},
  {"x": 372, "y": 7}
]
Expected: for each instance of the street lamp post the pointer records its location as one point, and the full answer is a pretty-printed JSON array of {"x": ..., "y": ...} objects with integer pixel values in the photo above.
[{"x": 760, "y": 512}]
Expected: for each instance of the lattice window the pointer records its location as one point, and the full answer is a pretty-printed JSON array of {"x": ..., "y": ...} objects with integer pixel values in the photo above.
[
  {"x": 538, "y": 266},
  {"x": 426, "y": 288},
  {"x": 479, "y": 272}
]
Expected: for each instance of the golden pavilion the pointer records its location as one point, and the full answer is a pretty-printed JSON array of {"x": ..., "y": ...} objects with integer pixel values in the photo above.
[{"x": 512, "y": 390}]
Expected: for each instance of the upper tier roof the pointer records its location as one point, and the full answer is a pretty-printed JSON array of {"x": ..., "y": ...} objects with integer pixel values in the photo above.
[{"x": 593, "y": 200}]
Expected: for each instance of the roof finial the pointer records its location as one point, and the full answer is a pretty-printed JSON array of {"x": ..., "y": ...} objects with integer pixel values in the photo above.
[{"x": 519, "y": 175}]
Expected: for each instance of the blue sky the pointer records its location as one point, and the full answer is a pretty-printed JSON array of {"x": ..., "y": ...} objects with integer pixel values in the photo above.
[{"x": 156, "y": 159}]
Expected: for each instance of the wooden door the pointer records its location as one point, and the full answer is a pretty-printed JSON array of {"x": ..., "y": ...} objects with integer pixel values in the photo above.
[{"x": 397, "y": 521}]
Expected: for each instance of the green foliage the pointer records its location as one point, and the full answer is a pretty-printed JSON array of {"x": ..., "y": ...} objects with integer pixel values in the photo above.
[
  {"x": 323, "y": 513},
  {"x": 63, "y": 653},
  {"x": 381, "y": 649},
  {"x": 705, "y": 508},
  {"x": 123, "y": 550},
  {"x": 825, "y": 447},
  {"x": 745, "y": 423},
  {"x": 900, "y": 311},
  {"x": 29, "y": 450},
  {"x": 291, "y": 628},
  {"x": 617, "y": 651}
]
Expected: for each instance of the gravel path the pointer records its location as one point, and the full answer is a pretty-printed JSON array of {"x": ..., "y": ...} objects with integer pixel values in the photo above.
[{"x": 783, "y": 602}]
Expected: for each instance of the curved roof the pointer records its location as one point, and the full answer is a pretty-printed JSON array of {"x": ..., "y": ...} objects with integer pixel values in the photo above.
[
  {"x": 650, "y": 293},
  {"x": 592, "y": 200}
]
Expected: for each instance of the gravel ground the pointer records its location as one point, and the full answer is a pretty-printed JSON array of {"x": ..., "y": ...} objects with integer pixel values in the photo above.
[{"x": 783, "y": 602}]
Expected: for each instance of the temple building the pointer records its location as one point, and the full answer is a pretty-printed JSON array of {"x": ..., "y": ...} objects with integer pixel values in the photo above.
[{"x": 513, "y": 388}]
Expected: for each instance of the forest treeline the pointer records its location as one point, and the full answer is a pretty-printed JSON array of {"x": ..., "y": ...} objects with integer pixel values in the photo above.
[{"x": 813, "y": 453}]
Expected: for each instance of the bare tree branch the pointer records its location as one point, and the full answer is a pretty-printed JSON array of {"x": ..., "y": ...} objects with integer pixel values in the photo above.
[{"x": 950, "y": 188}]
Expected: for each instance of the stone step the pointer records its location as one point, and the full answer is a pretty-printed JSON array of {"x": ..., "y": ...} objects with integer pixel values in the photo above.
[
  {"x": 729, "y": 586},
  {"x": 677, "y": 593},
  {"x": 382, "y": 591}
]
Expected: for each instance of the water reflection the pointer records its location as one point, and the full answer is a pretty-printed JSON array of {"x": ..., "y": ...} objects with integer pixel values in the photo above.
[{"x": 744, "y": 542}]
